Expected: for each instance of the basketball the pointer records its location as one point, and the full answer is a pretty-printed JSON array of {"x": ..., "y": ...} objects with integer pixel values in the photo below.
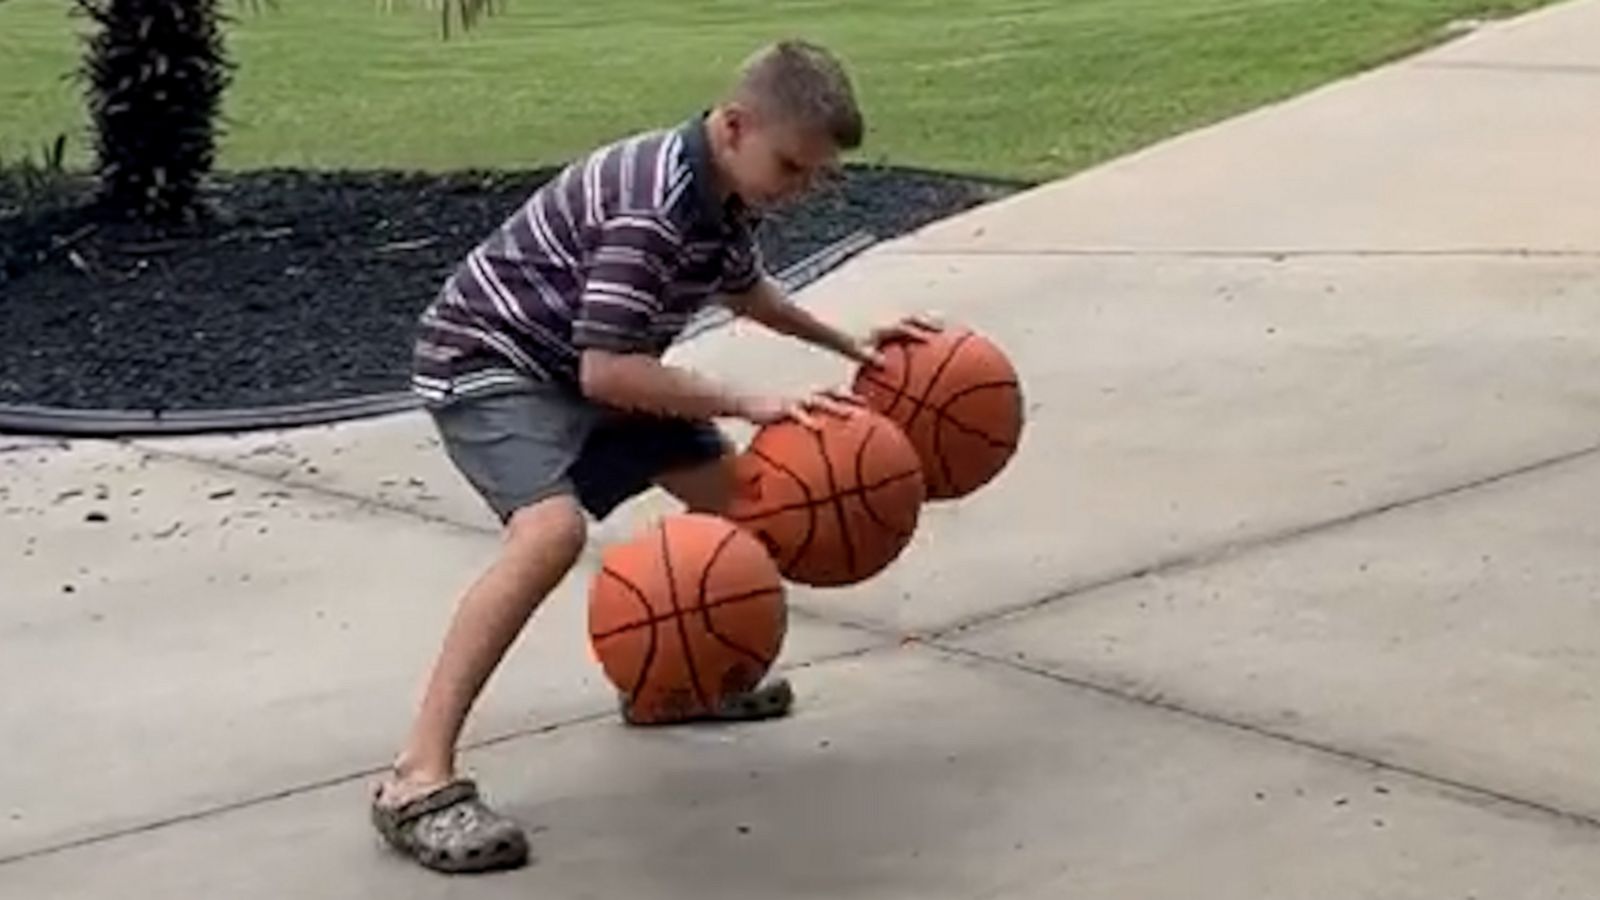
[
  {"x": 688, "y": 612},
  {"x": 834, "y": 506},
  {"x": 958, "y": 400}
]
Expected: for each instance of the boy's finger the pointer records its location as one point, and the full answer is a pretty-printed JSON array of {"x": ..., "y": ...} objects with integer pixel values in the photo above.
[
  {"x": 798, "y": 413},
  {"x": 846, "y": 396},
  {"x": 832, "y": 406},
  {"x": 910, "y": 330},
  {"x": 898, "y": 334}
]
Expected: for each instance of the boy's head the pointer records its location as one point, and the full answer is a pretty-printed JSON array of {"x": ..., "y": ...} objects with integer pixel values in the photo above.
[{"x": 790, "y": 114}]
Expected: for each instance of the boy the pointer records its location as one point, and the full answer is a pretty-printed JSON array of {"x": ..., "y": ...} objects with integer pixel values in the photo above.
[{"x": 539, "y": 362}]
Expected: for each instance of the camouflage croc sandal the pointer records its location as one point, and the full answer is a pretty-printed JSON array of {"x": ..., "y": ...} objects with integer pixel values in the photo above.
[
  {"x": 766, "y": 702},
  {"x": 450, "y": 829}
]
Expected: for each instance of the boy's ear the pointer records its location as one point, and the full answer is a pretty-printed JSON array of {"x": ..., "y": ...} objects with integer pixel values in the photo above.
[{"x": 739, "y": 120}]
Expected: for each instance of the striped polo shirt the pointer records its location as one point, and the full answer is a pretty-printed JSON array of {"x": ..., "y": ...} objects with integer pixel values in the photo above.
[{"x": 617, "y": 252}]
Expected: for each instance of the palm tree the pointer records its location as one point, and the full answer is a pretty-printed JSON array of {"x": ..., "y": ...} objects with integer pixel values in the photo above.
[{"x": 155, "y": 74}]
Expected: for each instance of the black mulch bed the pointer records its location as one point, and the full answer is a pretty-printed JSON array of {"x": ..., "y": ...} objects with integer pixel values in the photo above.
[{"x": 306, "y": 286}]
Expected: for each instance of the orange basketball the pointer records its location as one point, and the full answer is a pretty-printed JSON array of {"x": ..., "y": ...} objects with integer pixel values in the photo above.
[
  {"x": 833, "y": 506},
  {"x": 690, "y": 611},
  {"x": 959, "y": 402}
]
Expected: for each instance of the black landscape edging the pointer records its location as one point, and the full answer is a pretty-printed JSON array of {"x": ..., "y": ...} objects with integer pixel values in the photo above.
[{"x": 49, "y": 421}]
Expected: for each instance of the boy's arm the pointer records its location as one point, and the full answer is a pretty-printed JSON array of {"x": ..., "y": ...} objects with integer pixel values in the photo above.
[
  {"x": 641, "y": 382},
  {"x": 624, "y": 284},
  {"x": 766, "y": 304},
  {"x": 638, "y": 381}
]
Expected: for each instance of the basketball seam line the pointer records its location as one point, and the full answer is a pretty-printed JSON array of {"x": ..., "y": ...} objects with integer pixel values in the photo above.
[
  {"x": 838, "y": 506},
  {"x": 940, "y": 413},
  {"x": 650, "y": 649},
  {"x": 938, "y": 454},
  {"x": 705, "y": 609},
  {"x": 944, "y": 415},
  {"x": 711, "y": 629},
  {"x": 811, "y": 509},
  {"x": 903, "y": 391},
  {"x": 866, "y": 498},
  {"x": 657, "y": 618},
  {"x": 683, "y": 630},
  {"x": 851, "y": 492},
  {"x": 905, "y": 379},
  {"x": 938, "y": 373}
]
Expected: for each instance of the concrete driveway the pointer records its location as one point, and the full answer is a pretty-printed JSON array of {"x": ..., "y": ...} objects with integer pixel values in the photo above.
[{"x": 1293, "y": 590}]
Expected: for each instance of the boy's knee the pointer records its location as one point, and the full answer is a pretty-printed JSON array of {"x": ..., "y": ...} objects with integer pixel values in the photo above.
[
  {"x": 706, "y": 488},
  {"x": 553, "y": 529}
]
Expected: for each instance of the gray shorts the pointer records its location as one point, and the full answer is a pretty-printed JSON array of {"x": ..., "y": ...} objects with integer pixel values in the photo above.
[{"x": 528, "y": 443}]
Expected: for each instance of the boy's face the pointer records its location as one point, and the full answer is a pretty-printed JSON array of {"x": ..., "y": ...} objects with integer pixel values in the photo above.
[{"x": 770, "y": 163}]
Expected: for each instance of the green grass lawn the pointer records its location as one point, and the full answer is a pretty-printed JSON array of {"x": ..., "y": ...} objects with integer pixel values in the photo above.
[{"x": 1017, "y": 87}]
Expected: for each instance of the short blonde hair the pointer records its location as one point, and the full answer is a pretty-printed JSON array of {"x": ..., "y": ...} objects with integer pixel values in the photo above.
[{"x": 801, "y": 82}]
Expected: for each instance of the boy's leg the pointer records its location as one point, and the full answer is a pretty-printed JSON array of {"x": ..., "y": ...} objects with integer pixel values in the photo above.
[
  {"x": 515, "y": 449},
  {"x": 705, "y": 487},
  {"x": 541, "y": 543},
  {"x": 626, "y": 455}
]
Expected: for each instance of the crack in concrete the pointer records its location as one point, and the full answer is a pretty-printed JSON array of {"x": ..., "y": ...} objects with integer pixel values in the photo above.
[
  {"x": 591, "y": 550},
  {"x": 935, "y": 639},
  {"x": 949, "y": 650},
  {"x": 1158, "y": 703},
  {"x": 208, "y": 812},
  {"x": 1269, "y": 254},
  {"x": 322, "y": 490},
  {"x": 338, "y": 780},
  {"x": 1201, "y": 557}
]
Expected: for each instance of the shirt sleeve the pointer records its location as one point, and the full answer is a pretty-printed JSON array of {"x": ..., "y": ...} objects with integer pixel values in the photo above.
[
  {"x": 623, "y": 289},
  {"x": 743, "y": 266}
]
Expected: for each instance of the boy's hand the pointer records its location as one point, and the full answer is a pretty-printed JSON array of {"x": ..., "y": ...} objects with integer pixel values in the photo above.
[
  {"x": 768, "y": 410},
  {"x": 911, "y": 329}
]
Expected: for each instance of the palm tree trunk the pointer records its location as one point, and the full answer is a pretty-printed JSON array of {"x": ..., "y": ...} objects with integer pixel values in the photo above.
[{"x": 155, "y": 71}]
